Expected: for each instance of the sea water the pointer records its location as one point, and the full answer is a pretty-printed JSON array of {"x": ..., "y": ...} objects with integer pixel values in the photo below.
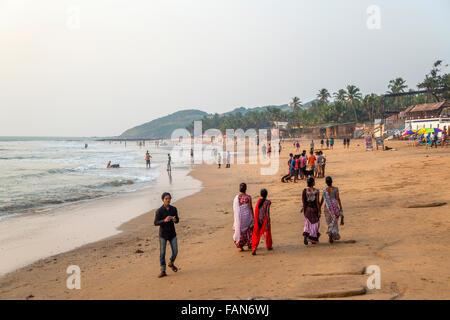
[{"x": 38, "y": 174}]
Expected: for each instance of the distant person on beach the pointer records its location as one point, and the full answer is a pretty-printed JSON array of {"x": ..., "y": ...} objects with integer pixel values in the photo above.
[
  {"x": 169, "y": 162},
  {"x": 147, "y": 159},
  {"x": 434, "y": 141},
  {"x": 296, "y": 167},
  {"x": 312, "y": 161},
  {"x": 243, "y": 219},
  {"x": 328, "y": 143},
  {"x": 269, "y": 149},
  {"x": 303, "y": 161},
  {"x": 262, "y": 222},
  {"x": 324, "y": 163},
  {"x": 165, "y": 217},
  {"x": 228, "y": 159},
  {"x": 108, "y": 165},
  {"x": 219, "y": 159},
  {"x": 192, "y": 153},
  {"x": 321, "y": 144},
  {"x": 331, "y": 143},
  {"x": 345, "y": 142},
  {"x": 311, "y": 212},
  {"x": 443, "y": 137},
  {"x": 320, "y": 163},
  {"x": 312, "y": 145},
  {"x": 264, "y": 149},
  {"x": 289, "y": 175},
  {"x": 297, "y": 145},
  {"x": 85, "y": 145},
  {"x": 348, "y": 143},
  {"x": 332, "y": 209},
  {"x": 279, "y": 147}
]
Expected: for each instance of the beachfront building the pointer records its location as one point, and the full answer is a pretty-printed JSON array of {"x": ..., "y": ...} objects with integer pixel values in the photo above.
[
  {"x": 331, "y": 130},
  {"x": 428, "y": 115}
]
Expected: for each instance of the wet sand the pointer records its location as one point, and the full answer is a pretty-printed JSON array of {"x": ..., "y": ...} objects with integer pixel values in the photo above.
[{"x": 381, "y": 192}]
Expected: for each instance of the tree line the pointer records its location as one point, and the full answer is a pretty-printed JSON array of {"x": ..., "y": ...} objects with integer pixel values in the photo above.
[{"x": 345, "y": 105}]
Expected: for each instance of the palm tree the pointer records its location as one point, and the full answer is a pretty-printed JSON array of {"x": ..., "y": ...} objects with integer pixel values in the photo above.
[
  {"x": 340, "y": 96},
  {"x": 323, "y": 96},
  {"x": 369, "y": 101},
  {"x": 353, "y": 95},
  {"x": 397, "y": 85},
  {"x": 296, "y": 104}
]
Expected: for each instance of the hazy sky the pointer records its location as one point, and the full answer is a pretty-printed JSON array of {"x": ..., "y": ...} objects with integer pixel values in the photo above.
[{"x": 128, "y": 62}]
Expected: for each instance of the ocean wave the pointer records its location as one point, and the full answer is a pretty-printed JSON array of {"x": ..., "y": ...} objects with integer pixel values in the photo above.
[{"x": 44, "y": 203}]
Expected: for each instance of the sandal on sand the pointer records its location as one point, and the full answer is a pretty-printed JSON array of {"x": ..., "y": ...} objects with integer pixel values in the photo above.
[
  {"x": 172, "y": 266},
  {"x": 305, "y": 241},
  {"x": 162, "y": 274},
  {"x": 270, "y": 249},
  {"x": 254, "y": 253},
  {"x": 330, "y": 238}
]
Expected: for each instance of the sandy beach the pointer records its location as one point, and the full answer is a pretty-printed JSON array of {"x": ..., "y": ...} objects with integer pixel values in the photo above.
[{"x": 391, "y": 221}]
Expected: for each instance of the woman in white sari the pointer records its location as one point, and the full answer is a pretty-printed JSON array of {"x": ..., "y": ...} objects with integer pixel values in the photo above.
[
  {"x": 243, "y": 219},
  {"x": 333, "y": 209}
]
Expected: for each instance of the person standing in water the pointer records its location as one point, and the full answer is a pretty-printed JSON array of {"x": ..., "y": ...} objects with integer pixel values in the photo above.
[
  {"x": 169, "y": 162},
  {"x": 147, "y": 160},
  {"x": 333, "y": 209},
  {"x": 311, "y": 212},
  {"x": 262, "y": 222},
  {"x": 243, "y": 219},
  {"x": 166, "y": 217}
]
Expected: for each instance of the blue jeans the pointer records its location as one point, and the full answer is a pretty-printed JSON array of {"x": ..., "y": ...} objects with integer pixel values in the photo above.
[{"x": 162, "y": 251}]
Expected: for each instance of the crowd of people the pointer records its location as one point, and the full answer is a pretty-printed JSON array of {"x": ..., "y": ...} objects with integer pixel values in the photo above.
[{"x": 253, "y": 223}]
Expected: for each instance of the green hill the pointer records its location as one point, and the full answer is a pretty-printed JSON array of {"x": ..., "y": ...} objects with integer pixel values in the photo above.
[{"x": 163, "y": 127}]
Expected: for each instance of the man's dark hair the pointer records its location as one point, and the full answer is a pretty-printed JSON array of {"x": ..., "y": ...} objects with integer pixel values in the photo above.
[{"x": 166, "y": 194}]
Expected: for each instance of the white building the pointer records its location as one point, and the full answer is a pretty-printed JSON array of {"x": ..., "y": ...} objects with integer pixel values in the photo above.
[{"x": 428, "y": 115}]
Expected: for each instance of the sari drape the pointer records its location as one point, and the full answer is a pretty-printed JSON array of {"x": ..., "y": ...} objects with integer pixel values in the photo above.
[
  {"x": 332, "y": 213},
  {"x": 311, "y": 213},
  {"x": 243, "y": 222},
  {"x": 262, "y": 224}
]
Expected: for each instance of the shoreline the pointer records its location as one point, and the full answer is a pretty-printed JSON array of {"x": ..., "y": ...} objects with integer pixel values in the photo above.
[
  {"x": 28, "y": 238},
  {"x": 408, "y": 244}
]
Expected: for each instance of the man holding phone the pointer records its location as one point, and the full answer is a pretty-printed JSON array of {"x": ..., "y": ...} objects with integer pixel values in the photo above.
[{"x": 165, "y": 217}]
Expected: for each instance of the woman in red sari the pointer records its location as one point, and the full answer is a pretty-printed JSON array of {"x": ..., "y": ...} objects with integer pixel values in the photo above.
[{"x": 262, "y": 222}]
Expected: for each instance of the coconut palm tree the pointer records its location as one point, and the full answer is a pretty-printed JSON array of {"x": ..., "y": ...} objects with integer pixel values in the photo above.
[
  {"x": 370, "y": 101},
  {"x": 397, "y": 85},
  {"x": 296, "y": 104},
  {"x": 353, "y": 95},
  {"x": 340, "y": 96},
  {"x": 323, "y": 96}
]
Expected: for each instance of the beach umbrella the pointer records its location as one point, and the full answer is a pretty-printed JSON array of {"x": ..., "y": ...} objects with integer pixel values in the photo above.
[
  {"x": 408, "y": 133},
  {"x": 433, "y": 130},
  {"x": 422, "y": 131}
]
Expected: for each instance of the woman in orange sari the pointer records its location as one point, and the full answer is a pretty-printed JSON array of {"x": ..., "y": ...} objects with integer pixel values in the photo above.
[{"x": 262, "y": 222}]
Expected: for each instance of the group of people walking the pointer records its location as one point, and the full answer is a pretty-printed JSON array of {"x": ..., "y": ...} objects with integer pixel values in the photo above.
[
  {"x": 312, "y": 208},
  {"x": 252, "y": 224}
]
